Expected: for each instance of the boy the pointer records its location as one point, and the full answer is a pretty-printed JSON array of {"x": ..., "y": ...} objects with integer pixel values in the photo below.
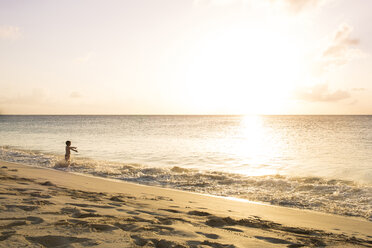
[{"x": 67, "y": 155}]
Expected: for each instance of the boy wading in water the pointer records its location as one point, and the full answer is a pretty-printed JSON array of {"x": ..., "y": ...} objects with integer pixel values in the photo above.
[{"x": 68, "y": 152}]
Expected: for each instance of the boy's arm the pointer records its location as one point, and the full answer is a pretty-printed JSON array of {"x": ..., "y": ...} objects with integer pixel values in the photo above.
[{"x": 74, "y": 149}]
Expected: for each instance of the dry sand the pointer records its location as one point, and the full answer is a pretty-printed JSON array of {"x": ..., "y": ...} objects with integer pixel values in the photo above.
[{"x": 50, "y": 208}]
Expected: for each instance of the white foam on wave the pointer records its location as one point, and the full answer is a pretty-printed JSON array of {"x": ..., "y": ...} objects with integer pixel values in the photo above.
[{"x": 315, "y": 193}]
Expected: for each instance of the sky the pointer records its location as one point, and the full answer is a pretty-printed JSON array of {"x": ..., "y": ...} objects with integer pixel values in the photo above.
[{"x": 185, "y": 57}]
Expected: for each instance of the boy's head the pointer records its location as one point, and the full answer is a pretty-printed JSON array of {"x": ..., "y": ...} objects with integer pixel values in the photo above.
[{"x": 68, "y": 143}]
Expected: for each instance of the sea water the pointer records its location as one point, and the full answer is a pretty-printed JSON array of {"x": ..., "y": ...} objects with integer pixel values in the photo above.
[{"x": 321, "y": 163}]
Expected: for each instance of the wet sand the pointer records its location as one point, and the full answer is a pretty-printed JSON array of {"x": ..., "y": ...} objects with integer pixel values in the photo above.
[{"x": 50, "y": 208}]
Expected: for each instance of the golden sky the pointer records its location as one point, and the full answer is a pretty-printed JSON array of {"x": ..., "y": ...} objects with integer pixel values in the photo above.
[{"x": 186, "y": 57}]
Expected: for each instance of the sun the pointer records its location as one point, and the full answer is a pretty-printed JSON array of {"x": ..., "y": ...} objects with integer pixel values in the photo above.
[{"x": 252, "y": 70}]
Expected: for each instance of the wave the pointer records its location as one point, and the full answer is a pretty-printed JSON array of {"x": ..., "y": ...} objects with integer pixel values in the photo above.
[{"x": 334, "y": 196}]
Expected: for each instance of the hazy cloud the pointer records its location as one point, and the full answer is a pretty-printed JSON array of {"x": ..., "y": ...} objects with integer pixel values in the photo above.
[
  {"x": 10, "y": 33},
  {"x": 75, "y": 94},
  {"x": 321, "y": 93},
  {"x": 340, "y": 49},
  {"x": 359, "y": 89}
]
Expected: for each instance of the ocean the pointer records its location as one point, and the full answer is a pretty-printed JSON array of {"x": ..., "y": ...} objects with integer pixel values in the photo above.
[{"x": 321, "y": 163}]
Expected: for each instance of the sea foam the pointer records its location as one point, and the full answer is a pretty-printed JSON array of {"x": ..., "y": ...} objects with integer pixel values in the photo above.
[{"x": 328, "y": 195}]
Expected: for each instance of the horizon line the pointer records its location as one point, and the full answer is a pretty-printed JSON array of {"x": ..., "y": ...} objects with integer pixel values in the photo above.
[{"x": 185, "y": 114}]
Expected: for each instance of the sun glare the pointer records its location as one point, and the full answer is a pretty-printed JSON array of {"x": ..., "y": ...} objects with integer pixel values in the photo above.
[
  {"x": 252, "y": 70},
  {"x": 252, "y": 129}
]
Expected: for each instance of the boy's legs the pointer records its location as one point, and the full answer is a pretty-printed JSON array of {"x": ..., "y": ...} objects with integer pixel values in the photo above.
[{"x": 67, "y": 159}]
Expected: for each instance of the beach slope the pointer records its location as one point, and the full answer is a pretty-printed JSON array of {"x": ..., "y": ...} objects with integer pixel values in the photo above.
[{"x": 51, "y": 208}]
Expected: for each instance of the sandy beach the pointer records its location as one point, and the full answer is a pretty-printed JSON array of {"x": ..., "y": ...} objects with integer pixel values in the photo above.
[{"x": 51, "y": 208}]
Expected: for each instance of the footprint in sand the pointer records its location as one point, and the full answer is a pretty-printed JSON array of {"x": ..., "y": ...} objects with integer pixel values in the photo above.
[
  {"x": 14, "y": 224},
  {"x": 89, "y": 210},
  {"x": 273, "y": 240},
  {"x": 23, "y": 207},
  {"x": 138, "y": 240},
  {"x": 40, "y": 195},
  {"x": 34, "y": 219},
  {"x": 71, "y": 222},
  {"x": 154, "y": 242},
  {"x": 48, "y": 183},
  {"x": 97, "y": 227},
  {"x": 20, "y": 189},
  {"x": 6, "y": 234},
  {"x": 50, "y": 241},
  {"x": 116, "y": 204},
  {"x": 233, "y": 229},
  {"x": 198, "y": 213},
  {"x": 37, "y": 202},
  {"x": 4, "y": 237},
  {"x": 127, "y": 227},
  {"x": 22, "y": 183},
  {"x": 68, "y": 210},
  {"x": 117, "y": 199},
  {"x": 102, "y": 227},
  {"x": 76, "y": 213},
  {"x": 131, "y": 212},
  {"x": 209, "y": 235},
  {"x": 170, "y": 210},
  {"x": 31, "y": 219},
  {"x": 193, "y": 243},
  {"x": 85, "y": 215},
  {"x": 164, "y": 221}
]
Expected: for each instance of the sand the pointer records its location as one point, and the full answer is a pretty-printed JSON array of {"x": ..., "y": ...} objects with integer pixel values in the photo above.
[{"x": 50, "y": 208}]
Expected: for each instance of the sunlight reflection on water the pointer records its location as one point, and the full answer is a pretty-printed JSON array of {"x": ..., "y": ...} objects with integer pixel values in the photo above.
[{"x": 255, "y": 146}]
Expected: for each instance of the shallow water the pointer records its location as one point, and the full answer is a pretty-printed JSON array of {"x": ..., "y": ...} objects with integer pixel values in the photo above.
[{"x": 314, "y": 162}]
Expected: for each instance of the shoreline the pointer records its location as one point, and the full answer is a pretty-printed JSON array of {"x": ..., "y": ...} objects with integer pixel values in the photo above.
[
  {"x": 321, "y": 194},
  {"x": 53, "y": 208},
  {"x": 232, "y": 198}
]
